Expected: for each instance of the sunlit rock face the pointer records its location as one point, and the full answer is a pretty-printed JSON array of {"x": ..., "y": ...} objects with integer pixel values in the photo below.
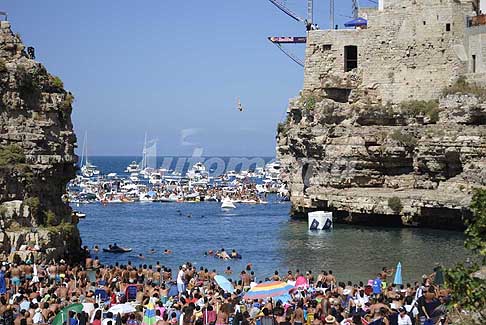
[
  {"x": 36, "y": 157},
  {"x": 388, "y": 165}
]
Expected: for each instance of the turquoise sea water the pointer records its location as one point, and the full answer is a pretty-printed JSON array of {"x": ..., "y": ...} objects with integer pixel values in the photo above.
[{"x": 265, "y": 236}]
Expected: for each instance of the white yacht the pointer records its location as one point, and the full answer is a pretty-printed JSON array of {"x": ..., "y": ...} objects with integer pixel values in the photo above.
[
  {"x": 88, "y": 170},
  {"x": 134, "y": 177},
  {"x": 198, "y": 174},
  {"x": 155, "y": 178},
  {"x": 227, "y": 203},
  {"x": 132, "y": 168}
]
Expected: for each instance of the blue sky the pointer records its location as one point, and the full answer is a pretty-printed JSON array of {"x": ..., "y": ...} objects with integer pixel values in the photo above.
[{"x": 170, "y": 68}]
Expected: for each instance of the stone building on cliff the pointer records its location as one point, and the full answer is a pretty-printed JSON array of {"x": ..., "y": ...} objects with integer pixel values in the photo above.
[
  {"x": 386, "y": 130},
  {"x": 410, "y": 49}
]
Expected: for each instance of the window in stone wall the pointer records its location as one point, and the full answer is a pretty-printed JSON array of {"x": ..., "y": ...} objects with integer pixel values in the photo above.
[
  {"x": 350, "y": 57},
  {"x": 425, "y": 23},
  {"x": 448, "y": 27},
  {"x": 473, "y": 63},
  {"x": 326, "y": 47}
]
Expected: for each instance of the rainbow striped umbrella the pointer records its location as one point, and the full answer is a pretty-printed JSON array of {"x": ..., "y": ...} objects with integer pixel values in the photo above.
[
  {"x": 268, "y": 289},
  {"x": 149, "y": 315}
]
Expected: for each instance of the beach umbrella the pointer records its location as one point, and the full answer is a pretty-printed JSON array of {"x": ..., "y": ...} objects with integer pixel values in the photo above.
[
  {"x": 285, "y": 298},
  {"x": 224, "y": 283},
  {"x": 149, "y": 315},
  {"x": 63, "y": 315},
  {"x": 356, "y": 22},
  {"x": 88, "y": 307},
  {"x": 125, "y": 308},
  {"x": 398, "y": 274},
  {"x": 268, "y": 289},
  {"x": 301, "y": 282}
]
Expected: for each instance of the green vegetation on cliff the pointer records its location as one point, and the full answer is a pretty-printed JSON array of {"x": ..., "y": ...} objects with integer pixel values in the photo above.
[
  {"x": 476, "y": 226},
  {"x": 429, "y": 108},
  {"x": 29, "y": 87},
  {"x": 50, "y": 218},
  {"x": 462, "y": 86},
  {"x": 11, "y": 155},
  {"x": 308, "y": 102},
  {"x": 405, "y": 139},
  {"x": 3, "y": 66},
  {"x": 395, "y": 204},
  {"x": 57, "y": 82},
  {"x": 12, "y": 159},
  {"x": 469, "y": 290}
]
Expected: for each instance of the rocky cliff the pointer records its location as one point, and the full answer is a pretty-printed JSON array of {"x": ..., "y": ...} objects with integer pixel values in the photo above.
[
  {"x": 413, "y": 163},
  {"x": 36, "y": 157}
]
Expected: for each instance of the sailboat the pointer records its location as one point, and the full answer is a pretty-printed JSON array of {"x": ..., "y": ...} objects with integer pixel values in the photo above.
[
  {"x": 149, "y": 154},
  {"x": 87, "y": 169}
]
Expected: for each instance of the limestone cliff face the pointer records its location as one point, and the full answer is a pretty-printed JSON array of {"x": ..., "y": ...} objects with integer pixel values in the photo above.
[
  {"x": 412, "y": 164},
  {"x": 36, "y": 156}
]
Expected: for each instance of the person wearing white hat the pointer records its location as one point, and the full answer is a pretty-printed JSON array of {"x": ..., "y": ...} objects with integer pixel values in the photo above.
[{"x": 331, "y": 320}]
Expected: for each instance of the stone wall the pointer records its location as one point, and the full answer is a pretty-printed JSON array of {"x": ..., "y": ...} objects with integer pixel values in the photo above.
[
  {"x": 36, "y": 157},
  {"x": 411, "y": 49}
]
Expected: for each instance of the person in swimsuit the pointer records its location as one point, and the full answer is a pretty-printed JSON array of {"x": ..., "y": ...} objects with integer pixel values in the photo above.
[
  {"x": 222, "y": 317},
  {"x": 15, "y": 274},
  {"x": 298, "y": 318}
]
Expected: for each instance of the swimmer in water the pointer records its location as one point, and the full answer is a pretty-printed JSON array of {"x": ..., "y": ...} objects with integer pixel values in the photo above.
[
  {"x": 140, "y": 256},
  {"x": 152, "y": 251},
  {"x": 96, "y": 249},
  {"x": 167, "y": 251}
]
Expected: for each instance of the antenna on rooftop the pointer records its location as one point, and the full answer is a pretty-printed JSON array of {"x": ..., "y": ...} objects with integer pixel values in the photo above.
[
  {"x": 355, "y": 8},
  {"x": 310, "y": 12},
  {"x": 331, "y": 13}
]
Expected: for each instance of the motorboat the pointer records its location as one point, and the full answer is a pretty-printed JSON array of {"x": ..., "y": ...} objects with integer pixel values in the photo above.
[
  {"x": 79, "y": 215},
  {"x": 273, "y": 170},
  {"x": 89, "y": 170},
  {"x": 198, "y": 173},
  {"x": 116, "y": 249},
  {"x": 148, "y": 197},
  {"x": 227, "y": 203},
  {"x": 155, "y": 178},
  {"x": 134, "y": 177},
  {"x": 132, "y": 168}
]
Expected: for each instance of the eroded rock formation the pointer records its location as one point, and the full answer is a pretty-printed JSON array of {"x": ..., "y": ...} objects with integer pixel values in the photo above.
[
  {"x": 413, "y": 163},
  {"x": 36, "y": 157}
]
